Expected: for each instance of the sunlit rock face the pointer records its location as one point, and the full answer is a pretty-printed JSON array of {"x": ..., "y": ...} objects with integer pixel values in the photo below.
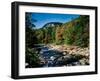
[{"x": 52, "y": 24}]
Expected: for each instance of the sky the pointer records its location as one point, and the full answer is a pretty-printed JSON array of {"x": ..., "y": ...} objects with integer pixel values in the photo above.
[{"x": 43, "y": 18}]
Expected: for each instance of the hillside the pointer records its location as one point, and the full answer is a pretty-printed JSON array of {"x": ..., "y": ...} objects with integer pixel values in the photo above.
[{"x": 75, "y": 32}]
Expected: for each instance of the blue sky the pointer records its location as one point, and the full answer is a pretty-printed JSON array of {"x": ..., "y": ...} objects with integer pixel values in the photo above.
[{"x": 43, "y": 18}]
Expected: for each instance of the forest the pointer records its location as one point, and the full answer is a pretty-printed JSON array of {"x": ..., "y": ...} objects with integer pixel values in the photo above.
[{"x": 74, "y": 32}]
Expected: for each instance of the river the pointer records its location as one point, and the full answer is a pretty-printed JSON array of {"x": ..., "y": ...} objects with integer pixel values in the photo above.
[
  {"x": 50, "y": 56},
  {"x": 54, "y": 58}
]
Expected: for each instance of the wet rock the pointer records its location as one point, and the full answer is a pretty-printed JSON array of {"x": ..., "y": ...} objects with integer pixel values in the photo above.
[
  {"x": 65, "y": 52},
  {"x": 84, "y": 61},
  {"x": 76, "y": 63}
]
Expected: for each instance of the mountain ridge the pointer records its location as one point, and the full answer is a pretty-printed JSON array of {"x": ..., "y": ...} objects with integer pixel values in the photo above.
[{"x": 52, "y": 24}]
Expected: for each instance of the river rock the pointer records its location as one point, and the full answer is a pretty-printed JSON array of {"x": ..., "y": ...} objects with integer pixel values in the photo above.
[{"x": 84, "y": 61}]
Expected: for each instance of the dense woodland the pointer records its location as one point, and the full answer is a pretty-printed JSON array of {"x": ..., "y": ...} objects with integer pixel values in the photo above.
[{"x": 74, "y": 32}]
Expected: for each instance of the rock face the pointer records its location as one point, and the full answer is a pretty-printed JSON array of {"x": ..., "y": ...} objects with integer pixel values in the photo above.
[{"x": 52, "y": 24}]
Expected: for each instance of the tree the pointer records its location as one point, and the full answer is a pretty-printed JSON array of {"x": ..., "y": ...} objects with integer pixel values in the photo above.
[
  {"x": 29, "y": 20},
  {"x": 59, "y": 35},
  {"x": 32, "y": 57},
  {"x": 30, "y": 32},
  {"x": 77, "y": 32},
  {"x": 40, "y": 35}
]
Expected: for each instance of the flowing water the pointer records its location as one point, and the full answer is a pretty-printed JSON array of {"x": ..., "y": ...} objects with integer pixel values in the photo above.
[{"x": 50, "y": 56}]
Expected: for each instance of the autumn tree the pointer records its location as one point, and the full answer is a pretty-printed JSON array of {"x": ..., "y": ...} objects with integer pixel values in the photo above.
[{"x": 59, "y": 35}]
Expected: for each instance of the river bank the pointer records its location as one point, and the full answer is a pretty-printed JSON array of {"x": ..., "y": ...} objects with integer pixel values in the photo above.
[
  {"x": 51, "y": 55},
  {"x": 73, "y": 51},
  {"x": 70, "y": 49}
]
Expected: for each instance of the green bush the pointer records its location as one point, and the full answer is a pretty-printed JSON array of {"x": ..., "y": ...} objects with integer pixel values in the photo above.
[{"x": 32, "y": 58}]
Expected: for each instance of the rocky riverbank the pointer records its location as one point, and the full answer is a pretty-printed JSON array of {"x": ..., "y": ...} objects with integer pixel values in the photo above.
[
  {"x": 57, "y": 55},
  {"x": 73, "y": 51}
]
